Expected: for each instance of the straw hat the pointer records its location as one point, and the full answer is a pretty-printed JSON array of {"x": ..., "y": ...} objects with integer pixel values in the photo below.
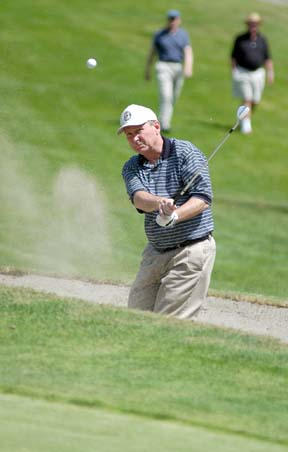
[{"x": 253, "y": 17}]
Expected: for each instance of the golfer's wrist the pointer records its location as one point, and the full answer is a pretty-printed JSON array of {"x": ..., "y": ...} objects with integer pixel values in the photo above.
[{"x": 167, "y": 221}]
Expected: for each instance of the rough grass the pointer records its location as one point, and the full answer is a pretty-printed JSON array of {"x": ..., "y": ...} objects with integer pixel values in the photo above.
[{"x": 143, "y": 364}]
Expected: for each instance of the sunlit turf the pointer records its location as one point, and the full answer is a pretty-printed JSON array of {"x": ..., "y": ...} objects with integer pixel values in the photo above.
[
  {"x": 82, "y": 354},
  {"x": 51, "y": 427}
]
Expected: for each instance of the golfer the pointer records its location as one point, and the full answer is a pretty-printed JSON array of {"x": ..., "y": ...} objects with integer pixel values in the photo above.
[
  {"x": 171, "y": 45},
  {"x": 177, "y": 262},
  {"x": 251, "y": 62}
]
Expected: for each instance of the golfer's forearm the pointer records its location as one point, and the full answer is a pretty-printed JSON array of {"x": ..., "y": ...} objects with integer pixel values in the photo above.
[
  {"x": 194, "y": 206},
  {"x": 188, "y": 60},
  {"x": 146, "y": 201},
  {"x": 150, "y": 59},
  {"x": 269, "y": 64}
]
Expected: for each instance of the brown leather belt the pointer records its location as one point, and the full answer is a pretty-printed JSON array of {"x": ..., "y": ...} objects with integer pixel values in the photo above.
[{"x": 186, "y": 243}]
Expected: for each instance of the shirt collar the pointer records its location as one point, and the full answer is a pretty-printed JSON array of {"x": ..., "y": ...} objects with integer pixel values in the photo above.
[
  {"x": 167, "y": 148},
  {"x": 166, "y": 151}
]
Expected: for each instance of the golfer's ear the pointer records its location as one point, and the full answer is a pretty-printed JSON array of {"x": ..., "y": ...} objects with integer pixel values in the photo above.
[{"x": 157, "y": 125}]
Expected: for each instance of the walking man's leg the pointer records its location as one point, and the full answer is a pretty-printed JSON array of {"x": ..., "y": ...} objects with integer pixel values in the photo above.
[{"x": 165, "y": 87}]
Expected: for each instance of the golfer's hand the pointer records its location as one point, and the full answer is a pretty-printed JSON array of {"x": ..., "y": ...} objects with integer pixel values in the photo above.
[
  {"x": 167, "y": 221},
  {"x": 188, "y": 73},
  {"x": 270, "y": 77},
  {"x": 166, "y": 207},
  {"x": 167, "y": 216}
]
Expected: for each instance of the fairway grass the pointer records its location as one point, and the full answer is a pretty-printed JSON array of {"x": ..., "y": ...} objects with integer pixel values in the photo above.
[
  {"x": 54, "y": 427},
  {"x": 71, "y": 352}
]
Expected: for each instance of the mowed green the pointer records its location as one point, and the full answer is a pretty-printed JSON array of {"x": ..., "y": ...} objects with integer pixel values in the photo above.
[
  {"x": 211, "y": 389},
  {"x": 63, "y": 205},
  {"x": 54, "y": 427}
]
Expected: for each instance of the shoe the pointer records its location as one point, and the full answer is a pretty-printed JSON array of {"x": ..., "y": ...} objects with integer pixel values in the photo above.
[{"x": 245, "y": 126}]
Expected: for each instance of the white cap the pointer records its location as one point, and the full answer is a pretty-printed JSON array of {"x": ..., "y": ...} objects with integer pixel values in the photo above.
[{"x": 135, "y": 115}]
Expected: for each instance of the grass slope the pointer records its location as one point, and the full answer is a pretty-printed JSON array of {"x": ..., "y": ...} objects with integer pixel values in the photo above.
[
  {"x": 143, "y": 364},
  {"x": 62, "y": 201},
  {"x": 58, "y": 427}
]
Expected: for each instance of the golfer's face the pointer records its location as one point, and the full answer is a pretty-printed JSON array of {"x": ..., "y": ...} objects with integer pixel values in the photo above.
[
  {"x": 253, "y": 25},
  {"x": 141, "y": 138},
  {"x": 174, "y": 21}
]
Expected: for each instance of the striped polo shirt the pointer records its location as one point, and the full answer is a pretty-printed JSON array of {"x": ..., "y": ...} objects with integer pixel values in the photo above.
[{"x": 179, "y": 161}]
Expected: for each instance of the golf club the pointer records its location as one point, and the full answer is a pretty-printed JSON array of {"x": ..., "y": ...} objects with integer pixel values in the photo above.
[{"x": 242, "y": 112}]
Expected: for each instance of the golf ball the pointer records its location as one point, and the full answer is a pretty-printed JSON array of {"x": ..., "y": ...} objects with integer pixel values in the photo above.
[{"x": 91, "y": 63}]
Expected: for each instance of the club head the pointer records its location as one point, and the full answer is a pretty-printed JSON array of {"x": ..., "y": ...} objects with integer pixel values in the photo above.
[{"x": 242, "y": 112}]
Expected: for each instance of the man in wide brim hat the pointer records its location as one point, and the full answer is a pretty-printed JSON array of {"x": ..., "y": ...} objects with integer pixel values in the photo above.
[
  {"x": 251, "y": 63},
  {"x": 253, "y": 18}
]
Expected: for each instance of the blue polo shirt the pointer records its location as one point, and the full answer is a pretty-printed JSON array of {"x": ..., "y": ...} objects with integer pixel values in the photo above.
[
  {"x": 179, "y": 161},
  {"x": 170, "y": 45}
]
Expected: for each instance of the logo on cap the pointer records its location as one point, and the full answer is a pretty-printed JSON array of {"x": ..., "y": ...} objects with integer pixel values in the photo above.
[{"x": 127, "y": 115}]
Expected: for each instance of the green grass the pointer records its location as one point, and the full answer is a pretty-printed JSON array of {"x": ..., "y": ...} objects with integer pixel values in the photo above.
[
  {"x": 218, "y": 382},
  {"x": 57, "y": 427},
  {"x": 62, "y": 200}
]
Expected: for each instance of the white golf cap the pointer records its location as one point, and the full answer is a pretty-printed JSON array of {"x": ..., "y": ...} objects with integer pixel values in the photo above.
[{"x": 135, "y": 115}]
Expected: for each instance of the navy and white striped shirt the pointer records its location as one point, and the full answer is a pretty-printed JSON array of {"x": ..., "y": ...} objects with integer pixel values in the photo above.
[{"x": 179, "y": 161}]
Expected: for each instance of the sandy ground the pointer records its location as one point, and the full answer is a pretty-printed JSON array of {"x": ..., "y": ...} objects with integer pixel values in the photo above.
[{"x": 247, "y": 317}]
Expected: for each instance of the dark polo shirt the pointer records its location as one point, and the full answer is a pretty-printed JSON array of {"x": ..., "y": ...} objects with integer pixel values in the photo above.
[{"x": 250, "y": 54}]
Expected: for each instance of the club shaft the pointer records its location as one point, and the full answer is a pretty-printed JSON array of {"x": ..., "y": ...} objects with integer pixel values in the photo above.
[{"x": 188, "y": 185}]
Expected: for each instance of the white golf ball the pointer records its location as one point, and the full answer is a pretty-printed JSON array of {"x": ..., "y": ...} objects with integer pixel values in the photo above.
[{"x": 91, "y": 63}]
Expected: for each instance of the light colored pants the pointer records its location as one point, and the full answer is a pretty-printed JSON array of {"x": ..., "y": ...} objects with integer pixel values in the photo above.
[
  {"x": 170, "y": 81},
  {"x": 248, "y": 85},
  {"x": 174, "y": 283}
]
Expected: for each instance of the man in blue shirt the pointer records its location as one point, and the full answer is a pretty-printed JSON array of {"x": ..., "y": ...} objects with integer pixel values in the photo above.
[
  {"x": 175, "y": 271},
  {"x": 175, "y": 61}
]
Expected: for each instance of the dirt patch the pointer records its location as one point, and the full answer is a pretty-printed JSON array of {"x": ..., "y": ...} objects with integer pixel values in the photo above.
[{"x": 244, "y": 316}]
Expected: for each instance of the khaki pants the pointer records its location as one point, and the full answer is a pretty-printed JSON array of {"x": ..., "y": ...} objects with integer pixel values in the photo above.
[
  {"x": 248, "y": 85},
  {"x": 170, "y": 81},
  {"x": 174, "y": 283}
]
